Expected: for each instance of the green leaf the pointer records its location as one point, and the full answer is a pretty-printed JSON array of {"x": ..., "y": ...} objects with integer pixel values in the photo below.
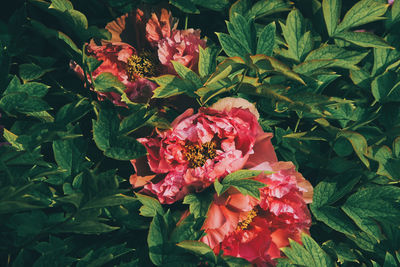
[
  {"x": 262, "y": 8},
  {"x": 187, "y": 229},
  {"x": 73, "y": 111},
  {"x": 187, "y": 74},
  {"x": 386, "y": 87},
  {"x": 266, "y": 41},
  {"x": 335, "y": 219},
  {"x": 185, "y": 5},
  {"x": 64, "y": 42},
  {"x": 85, "y": 227},
  {"x": 69, "y": 154},
  {"x": 22, "y": 102},
  {"x": 310, "y": 66},
  {"x": 359, "y": 144},
  {"x": 299, "y": 41},
  {"x": 134, "y": 121},
  {"x": 374, "y": 202},
  {"x": 318, "y": 254},
  {"x": 363, "y": 12},
  {"x": 342, "y": 250},
  {"x": 170, "y": 85},
  {"x": 265, "y": 63},
  {"x": 338, "y": 56},
  {"x": 310, "y": 255},
  {"x": 157, "y": 240},
  {"x": 395, "y": 11},
  {"x": 298, "y": 255},
  {"x": 105, "y": 128},
  {"x": 366, "y": 224},
  {"x": 236, "y": 262},
  {"x": 241, "y": 7},
  {"x": 390, "y": 261},
  {"x": 108, "y": 201},
  {"x": 29, "y": 72},
  {"x": 396, "y": 147},
  {"x": 35, "y": 89},
  {"x": 125, "y": 148},
  {"x": 61, "y": 5},
  {"x": 151, "y": 206},
  {"x": 243, "y": 31},
  {"x": 217, "y": 5},
  {"x": 331, "y": 10},
  {"x": 331, "y": 190},
  {"x": 107, "y": 82},
  {"x": 207, "y": 61},
  {"x": 31, "y": 88},
  {"x": 199, "y": 203},
  {"x": 18, "y": 205},
  {"x": 199, "y": 248},
  {"x": 13, "y": 87},
  {"x": 363, "y": 39},
  {"x": 231, "y": 47},
  {"x": 240, "y": 180}
]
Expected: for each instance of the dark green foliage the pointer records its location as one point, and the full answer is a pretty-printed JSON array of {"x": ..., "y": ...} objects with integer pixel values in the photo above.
[{"x": 324, "y": 76}]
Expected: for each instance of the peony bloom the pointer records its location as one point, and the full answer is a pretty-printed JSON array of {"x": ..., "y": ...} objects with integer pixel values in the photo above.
[
  {"x": 200, "y": 148},
  {"x": 253, "y": 229},
  {"x": 390, "y": 2},
  {"x": 183, "y": 47},
  {"x": 162, "y": 36},
  {"x": 158, "y": 29},
  {"x": 172, "y": 44},
  {"x": 129, "y": 66}
]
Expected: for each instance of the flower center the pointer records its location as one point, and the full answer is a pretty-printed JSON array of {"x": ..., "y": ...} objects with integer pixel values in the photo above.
[
  {"x": 245, "y": 223},
  {"x": 141, "y": 65},
  {"x": 197, "y": 155}
]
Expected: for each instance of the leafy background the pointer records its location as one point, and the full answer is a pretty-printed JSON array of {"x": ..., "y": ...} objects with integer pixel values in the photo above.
[{"x": 323, "y": 74}]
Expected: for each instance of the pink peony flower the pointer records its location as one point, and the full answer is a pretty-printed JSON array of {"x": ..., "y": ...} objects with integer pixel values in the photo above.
[
  {"x": 131, "y": 68},
  {"x": 162, "y": 36},
  {"x": 200, "y": 148},
  {"x": 159, "y": 29},
  {"x": 157, "y": 42},
  {"x": 390, "y": 2},
  {"x": 253, "y": 229},
  {"x": 183, "y": 47}
]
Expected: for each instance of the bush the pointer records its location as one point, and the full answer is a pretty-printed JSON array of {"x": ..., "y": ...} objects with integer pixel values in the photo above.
[{"x": 324, "y": 76}]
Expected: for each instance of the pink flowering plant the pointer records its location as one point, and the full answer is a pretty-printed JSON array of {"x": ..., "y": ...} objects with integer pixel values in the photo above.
[{"x": 200, "y": 133}]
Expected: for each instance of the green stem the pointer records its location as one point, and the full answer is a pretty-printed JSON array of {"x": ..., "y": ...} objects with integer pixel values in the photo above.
[{"x": 297, "y": 124}]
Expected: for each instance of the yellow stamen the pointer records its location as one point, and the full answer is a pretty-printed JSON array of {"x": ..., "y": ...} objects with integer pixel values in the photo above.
[
  {"x": 245, "y": 223},
  {"x": 141, "y": 65},
  {"x": 197, "y": 155}
]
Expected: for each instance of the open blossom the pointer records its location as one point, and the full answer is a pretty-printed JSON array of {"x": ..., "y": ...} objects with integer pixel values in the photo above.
[
  {"x": 255, "y": 230},
  {"x": 142, "y": 46},
  {"x": 201, "y": 148},
  {"x": 183, "y": 47},
  {"x": 131, "y": 68},
  {"x": 163, "y": 37},
  {"x": 172, "y": 44}
]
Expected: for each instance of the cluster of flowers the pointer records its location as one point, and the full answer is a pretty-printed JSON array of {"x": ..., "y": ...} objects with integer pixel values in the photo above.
[
  {"x": 142, "y": 46},
  {"x": 206, "y": 146},
  {"x": 209, "y": 145}
]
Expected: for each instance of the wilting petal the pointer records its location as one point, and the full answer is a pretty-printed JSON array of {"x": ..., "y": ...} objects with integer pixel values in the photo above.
[{"x": 129, "y": 28}]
